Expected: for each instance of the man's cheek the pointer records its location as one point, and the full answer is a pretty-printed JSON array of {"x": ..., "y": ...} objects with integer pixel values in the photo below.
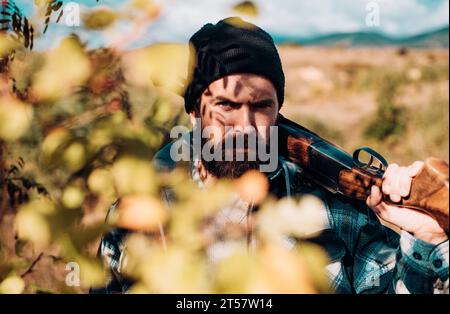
[{"x": 212, "y": 133}]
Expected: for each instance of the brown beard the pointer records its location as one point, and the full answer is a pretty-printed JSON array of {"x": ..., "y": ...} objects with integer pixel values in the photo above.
[{"x": 231, "y": 169}]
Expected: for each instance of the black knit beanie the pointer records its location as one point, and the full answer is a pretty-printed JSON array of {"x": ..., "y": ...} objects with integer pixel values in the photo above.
[{"x": 229, "y": 47}]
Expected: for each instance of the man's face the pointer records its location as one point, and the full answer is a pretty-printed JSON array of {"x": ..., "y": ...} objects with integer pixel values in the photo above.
[{"x": 239, "y": 105}]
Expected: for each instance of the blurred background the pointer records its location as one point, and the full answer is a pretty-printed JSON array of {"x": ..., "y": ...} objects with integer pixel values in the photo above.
[
  {"x": 357, "y": 72},
  {"x": 74, "y": 73}
]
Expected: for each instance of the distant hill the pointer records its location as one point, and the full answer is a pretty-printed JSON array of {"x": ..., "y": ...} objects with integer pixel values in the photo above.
[{"x": 433, "y": 39}]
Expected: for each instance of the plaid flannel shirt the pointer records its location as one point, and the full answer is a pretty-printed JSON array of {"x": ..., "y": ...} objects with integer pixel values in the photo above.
[{"x": 365, "y": 256}]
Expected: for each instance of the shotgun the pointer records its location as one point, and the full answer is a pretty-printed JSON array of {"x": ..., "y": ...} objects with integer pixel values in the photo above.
[{"x": 337, "y": 171}]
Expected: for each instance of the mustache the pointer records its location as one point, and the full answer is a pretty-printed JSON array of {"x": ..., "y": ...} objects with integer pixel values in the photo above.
[{"x": 238, "y": 147}]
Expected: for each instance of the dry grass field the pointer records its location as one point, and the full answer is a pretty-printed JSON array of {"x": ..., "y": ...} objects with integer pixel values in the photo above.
[{"x": 337, "y": 92}]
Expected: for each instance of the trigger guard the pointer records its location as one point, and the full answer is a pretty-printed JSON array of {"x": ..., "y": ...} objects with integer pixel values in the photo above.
[{"x": 372, "y": 154}]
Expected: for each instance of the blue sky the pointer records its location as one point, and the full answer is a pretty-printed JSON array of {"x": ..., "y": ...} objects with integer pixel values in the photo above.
[{"x": 301, "y": 18}]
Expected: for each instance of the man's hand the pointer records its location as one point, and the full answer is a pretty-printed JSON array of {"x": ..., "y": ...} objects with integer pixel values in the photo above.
[{"x": 397, "y": 184}]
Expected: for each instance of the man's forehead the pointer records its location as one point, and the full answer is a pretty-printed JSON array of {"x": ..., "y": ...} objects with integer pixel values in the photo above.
[{"x": 241, "y": 85}]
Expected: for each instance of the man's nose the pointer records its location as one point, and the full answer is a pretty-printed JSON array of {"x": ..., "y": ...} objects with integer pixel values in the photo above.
[{"x": 245, "y": 120}]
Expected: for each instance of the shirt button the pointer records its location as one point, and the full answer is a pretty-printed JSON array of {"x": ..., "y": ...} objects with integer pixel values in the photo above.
[
  {"x": 417, "y": 256},
  {"x": 437, "y": 263}
]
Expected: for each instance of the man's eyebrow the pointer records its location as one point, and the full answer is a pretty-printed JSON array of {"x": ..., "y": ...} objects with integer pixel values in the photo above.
[
  {"x": 223, "y": 98},
  {"x": 259, "y": 102},
  {"x": 267, "y": 101}
]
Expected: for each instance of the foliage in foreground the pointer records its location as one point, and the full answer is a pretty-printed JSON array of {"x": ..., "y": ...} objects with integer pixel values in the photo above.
[{"x": 78, "y": 129}]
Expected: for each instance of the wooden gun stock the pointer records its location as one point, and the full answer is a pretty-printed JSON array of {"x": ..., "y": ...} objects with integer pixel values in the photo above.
[{"x": 334, "y": 169}]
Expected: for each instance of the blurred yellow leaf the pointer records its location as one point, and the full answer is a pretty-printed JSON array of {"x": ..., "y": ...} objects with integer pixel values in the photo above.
[
  {"x": 52, "y": 142},
  {"x": 100, "y": 137},
  {"x": 164, "y": 111},
  {"x": 176, "y": 271},
  {"x": 159, "y": 270},
  {"x": 65, "y": 68},
  {"x": 137, "y": 250},
  {"x": 7, "y": 44},
  {"x": 42, "y": 205},
  {"x": 12, "y": 285},
  {"x": 32, "y": 225},
  {"x": 316, "y": 259},
  {"x": 149, "y": 8},
  {"x": 39, "y": 2},
  {"x": 272, "y": 268},
  {"x": 292, "y": 273},
  {"x": 15, "y": 118},
  {"x": 92, "y": 273},
  {"x": 248, "y": 8},
  {"x": 235, "y": 273},
  {"x": 134, "y": 175},
  {"x": 74, "y": 156},
  {"x": 141, "y": 4},
  {"x": 163, "y": 65},
  {"x": 98, "y": 19},
  {"x": 194, "y": 207},
  {"x": 100, "y": 181},
  {"x": 73, "y": 196}
]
